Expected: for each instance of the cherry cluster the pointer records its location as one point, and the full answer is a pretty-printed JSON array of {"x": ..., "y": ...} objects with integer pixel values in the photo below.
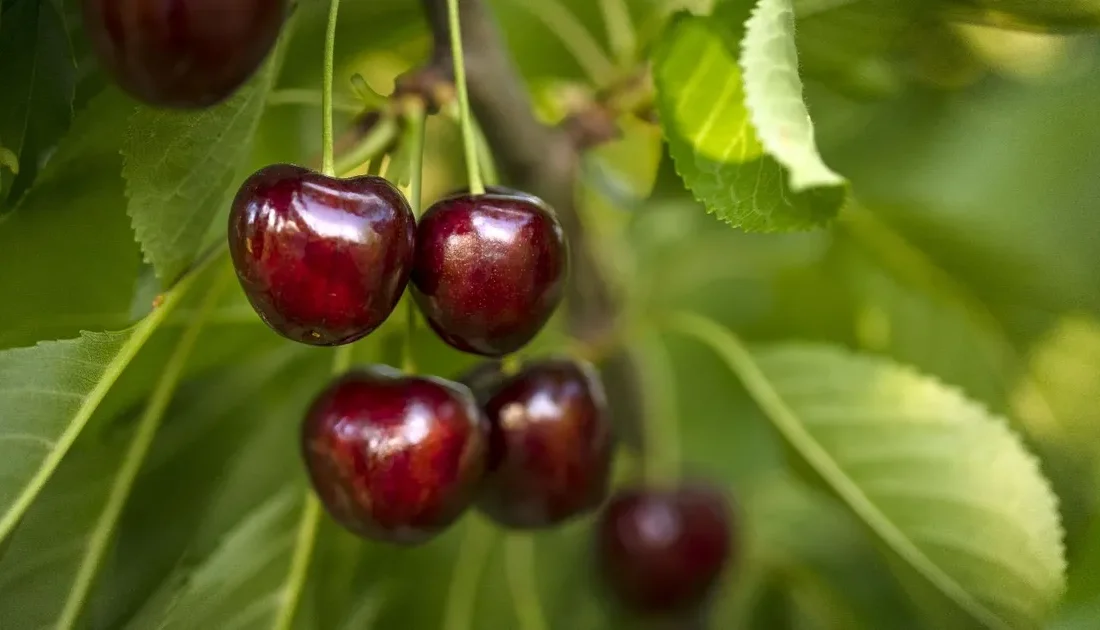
[
  {"x": 399, "y": 458},
  {"x": 396, "y": 457},
  {"x": 324, "y": 261}
]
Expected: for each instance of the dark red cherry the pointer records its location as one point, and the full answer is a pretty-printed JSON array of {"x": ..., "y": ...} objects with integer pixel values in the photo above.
[
  {"x": 182, "y": 53},
  {"x": 395, "y": 458},
  {"x": 550, "y": 446},
  {"x": 503, "y": 191},
  {"x": 489, "y": 270},
  {"x": 323, "y": 261},
  {"x": 662, "y": 551}
]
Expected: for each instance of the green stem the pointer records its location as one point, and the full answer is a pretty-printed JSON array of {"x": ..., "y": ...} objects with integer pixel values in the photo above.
[
  {"x": 620, "y": 30},
  {"x": 311, "y": 98},
  {"x": 307, "y": 527},
  {"x": 473, "y": 555},
  {"x": 573, "y": 35},
  {"x": 380, "y": 136},
  {"x": 299, "y": 563},
  {"x": 139, "y": 334},
  {"x": 132, "y": 461},
  {"x": 415, "y": 118},
  {"x": 477, "y": 186},
  {"x": 661, "y": 426},
  {"x": 519, "y": 564},
  {"x": 490, "y": 175},
  {"x": 511, "y": 364},
  {"x": 327, "y": 163}
]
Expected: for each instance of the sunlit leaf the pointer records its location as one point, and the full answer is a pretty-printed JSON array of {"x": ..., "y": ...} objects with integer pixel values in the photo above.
[
  {"x": 773, "y": 96},
  {"x": 947, "y": 489},
  {"x": 742, "y": 145}
]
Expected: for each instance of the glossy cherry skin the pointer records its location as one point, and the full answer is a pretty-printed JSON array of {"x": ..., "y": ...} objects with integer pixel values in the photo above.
[
  {"x": 322, "y": 260},
  {"x": 550, "y": 446},
  {"x": 182, "y": 53},
  {"x": 503, "y": 191},
  {"x": 662, "y": 551},
  {"x": 395, "y": 458},
  {"x": 489, "y": 270}
]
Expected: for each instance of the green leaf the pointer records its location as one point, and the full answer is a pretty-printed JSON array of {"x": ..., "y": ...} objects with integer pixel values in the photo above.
[
  {"x": 1029, "y": 14},
  {"x": 9, "y": 160},
  {"x": 199, "y": 437},
  {"x": 625, "y": 169},
  {"x": 742, "y": 140},
  {"x": 48, "y": 394},
  {"x": 831, "y": 569},
  {"x": 69, "y": 237},
  {"x": 239, "y": 585},
  {"x": 773, "y": 96},
  {"x": 180, "y": 168},
  {"x": 1065, "y": 374},
  {"x": 39, "y": 76},
  {"x": 918, "y": 314},
  {"x": 948, "y": 490}
]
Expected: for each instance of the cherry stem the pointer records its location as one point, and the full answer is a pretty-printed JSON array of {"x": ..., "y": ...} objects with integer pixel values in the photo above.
[
  {"x": 473, "y": 556},
  {"x": 511, "y": 364},
  {"x": 328, "y": 165},
  {"x": 415, "y": 116},
  {"x": 519, "y": 559},
  {"x": 620, "y": 30},
  {"x": 372, "y": 144},
  {"x": 662, "y": 432},
  {"x": 485, "y": 156},
  {"x": 574, "y": 36},
  {"x": 473, "y": 170}
]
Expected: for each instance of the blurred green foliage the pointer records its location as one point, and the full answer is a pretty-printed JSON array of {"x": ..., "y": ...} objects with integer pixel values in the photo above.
[{"x": 964, "y": 249}]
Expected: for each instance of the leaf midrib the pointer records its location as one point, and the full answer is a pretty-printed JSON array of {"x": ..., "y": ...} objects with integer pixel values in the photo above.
[
  {"x": 741, "y": 362},
  {"x": 138, "y": 336}
]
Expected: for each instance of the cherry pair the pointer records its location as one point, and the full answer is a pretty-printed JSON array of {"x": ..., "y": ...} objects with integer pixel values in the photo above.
[
  {"x": 324, "y": 261},
  {"x": 399, "y": 458}
]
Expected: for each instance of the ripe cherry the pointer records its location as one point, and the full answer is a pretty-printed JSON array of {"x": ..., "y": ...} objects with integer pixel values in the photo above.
[
  {"x": 663, "y": 551},
  {"x": 489, "y": 270},
  {"x": 182, "y": 53},
  {"x": 323, "y": 261},
  {"x": 550, "y": 445},
  {"x": 392, "y": 457}
]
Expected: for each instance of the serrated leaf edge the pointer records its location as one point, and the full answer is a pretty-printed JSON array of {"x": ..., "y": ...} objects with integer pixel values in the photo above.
[
  {"x": 739, "y": 358},
  {"x": 799, "y": 156},
  {"x": 137, "y": 336}
]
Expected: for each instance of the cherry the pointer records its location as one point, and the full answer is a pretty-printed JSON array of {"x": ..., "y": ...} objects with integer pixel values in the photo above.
[
  {"x": 662, "y": 551},
  {"x": 323, "y": 261},
  {"x": 489, "y": 270},
  {"x": 503, "y": 191},
  {"x": 182, "y": 53},
  {"x": 395, "y": 458},
  {"x": 550, "y": 444}
]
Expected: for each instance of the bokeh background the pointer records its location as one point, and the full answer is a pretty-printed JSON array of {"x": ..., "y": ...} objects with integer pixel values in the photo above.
[{"x": 970, "y": 250}]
